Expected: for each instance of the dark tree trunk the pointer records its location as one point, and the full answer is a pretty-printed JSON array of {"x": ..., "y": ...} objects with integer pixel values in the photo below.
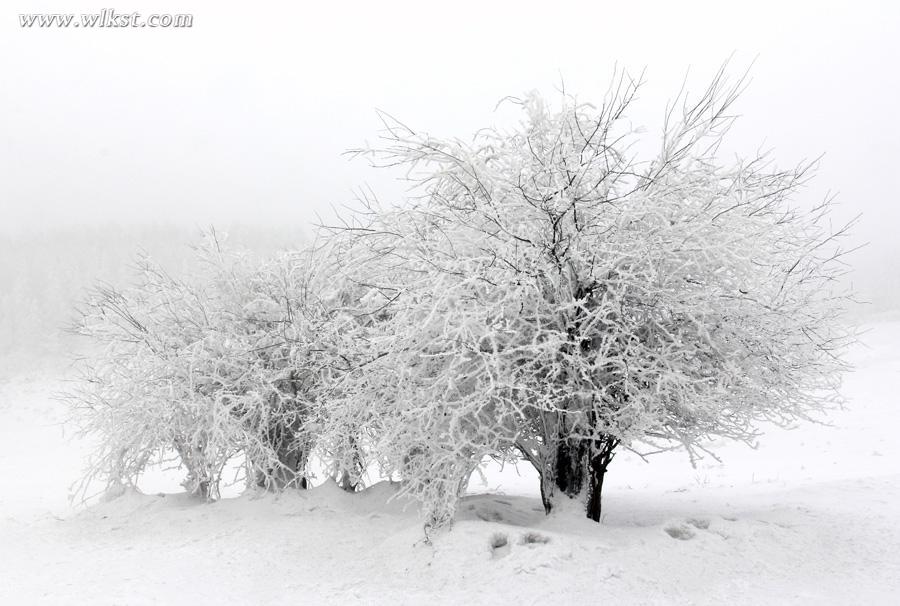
[
  {"x": 283, "y": 438},
  {"x": 570, "y": 469},
  {"x": 204, "y": 490},
  {"x": 601, "y": 455},
  {"x": 546, "y": 491},
  {"x": 289, "y": 473},
  {"x": 199, "y": 481},
  {"x": 579, "y": 469},
  {"x": 346, "y": 482},
  {"x": 563, "y": 471},
  {"x": 575, "y": 464},
  {"x": 580, "y": 461},
  {"x": 350, "y": 479}
]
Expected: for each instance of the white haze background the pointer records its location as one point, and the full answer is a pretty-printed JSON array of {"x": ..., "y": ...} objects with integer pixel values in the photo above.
[{"x": 242, "y": 119}]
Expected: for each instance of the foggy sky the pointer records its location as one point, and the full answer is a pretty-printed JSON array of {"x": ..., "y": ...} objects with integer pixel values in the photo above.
[{"x": 243, "y": 117}]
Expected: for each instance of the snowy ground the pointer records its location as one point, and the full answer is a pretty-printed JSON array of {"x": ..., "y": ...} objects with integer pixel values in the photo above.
[{"x": 811, "y": 517}]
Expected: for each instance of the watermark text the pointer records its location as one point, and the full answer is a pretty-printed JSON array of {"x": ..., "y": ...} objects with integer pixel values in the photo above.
[{"x": 107, "y": 18}]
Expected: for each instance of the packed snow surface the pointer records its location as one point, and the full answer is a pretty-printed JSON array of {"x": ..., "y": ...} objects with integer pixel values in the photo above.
[{"x": 812, "y": 516}]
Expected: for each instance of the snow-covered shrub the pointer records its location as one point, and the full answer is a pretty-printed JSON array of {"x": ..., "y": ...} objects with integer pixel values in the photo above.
[
  {"x": 202, "y": 370},
  {"x": 547, "y": 293},
  {"x": 401, "y": 405},
  {"x": 344, "y": 430}
]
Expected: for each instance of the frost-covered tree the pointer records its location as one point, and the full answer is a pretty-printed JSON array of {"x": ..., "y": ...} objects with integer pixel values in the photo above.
[
  {"x": 224, "y": 364},
  {"x": 548, "y": 293}
]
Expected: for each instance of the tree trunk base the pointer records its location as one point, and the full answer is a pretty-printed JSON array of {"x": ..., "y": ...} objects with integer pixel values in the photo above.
[{"x": 578, "y": 471}]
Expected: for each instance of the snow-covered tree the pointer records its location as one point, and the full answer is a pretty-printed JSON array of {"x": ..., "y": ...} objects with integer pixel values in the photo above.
[
  {"x": 202, "y": 370},
  {"x": 547, "y": 293}
]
